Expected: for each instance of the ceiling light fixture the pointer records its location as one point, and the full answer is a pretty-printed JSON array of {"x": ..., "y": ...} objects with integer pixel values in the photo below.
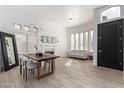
[{"x": 70, "y": 19}]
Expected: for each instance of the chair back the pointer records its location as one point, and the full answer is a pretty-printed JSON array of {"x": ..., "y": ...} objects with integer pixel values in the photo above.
[{"x": 50, "y": 52}]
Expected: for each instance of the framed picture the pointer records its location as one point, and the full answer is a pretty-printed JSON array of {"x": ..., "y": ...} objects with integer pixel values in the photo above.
[
  {"x": 35, "y": 29},
  {"x": 26, "y": 28},
  {"x": 17, "y": 26},
  {"x": 49, "y": 39},
  {"x": 44, "y": 39}
]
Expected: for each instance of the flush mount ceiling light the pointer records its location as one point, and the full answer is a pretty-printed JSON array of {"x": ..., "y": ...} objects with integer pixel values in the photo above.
[{"x": 70, "y": 19}]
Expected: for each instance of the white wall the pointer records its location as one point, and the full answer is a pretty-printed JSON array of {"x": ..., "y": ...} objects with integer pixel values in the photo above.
[
  {"x": 80, "y": 28},
  {"x": 9, "y": 16},
  {"x": 56, "y": 29}
]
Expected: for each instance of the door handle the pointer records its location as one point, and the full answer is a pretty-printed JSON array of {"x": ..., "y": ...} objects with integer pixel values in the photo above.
[
  {"x": 100, "y": 50},
  {"x": 120, "y": 38},
  {"x": 120, "y": 63},
  {"x": 99, "y": 37},
  {"x": 120, "y": 51}
]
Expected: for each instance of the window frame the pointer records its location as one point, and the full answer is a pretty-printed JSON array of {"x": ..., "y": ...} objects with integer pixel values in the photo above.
[
  {"x": 82, "y": 44},
  {"x": 77, "y": 41},
  {"x": 91, "y": 37},
  {"x": 85, "y": 42},
  {"x": 86, "y": 45},
  {"x": 73, "y": 41},
  {"x": 107, "y": 8}
]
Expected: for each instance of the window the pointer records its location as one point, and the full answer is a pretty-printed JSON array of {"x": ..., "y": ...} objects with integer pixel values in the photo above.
[
  {"x": 81, "y": 41},
  {"x": 110, "y": 13},
  {"x": 17, "y": 26},
  {"x": 21, "y": 43},
  {"x": 91, "y": 41},
  {"x": 25, "y": 43},
  {"x": 77, "y": 41},
  {"x": 72, "y": 41},
  {"x": 85, "y": 40},
  {"x": 31, "y": 42}
]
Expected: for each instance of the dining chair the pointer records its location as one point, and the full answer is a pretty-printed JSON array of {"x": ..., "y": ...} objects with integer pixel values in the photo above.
[
  {"x": 21, "y": 63},
  {"x": 48, "y": 62},
  {"x": 25, "y": 66},
  {"x": 29, "y": 65}
]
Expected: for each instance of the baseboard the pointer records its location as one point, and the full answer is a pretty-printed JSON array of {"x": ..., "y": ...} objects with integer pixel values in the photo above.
[{"x": 95, "y": 64}]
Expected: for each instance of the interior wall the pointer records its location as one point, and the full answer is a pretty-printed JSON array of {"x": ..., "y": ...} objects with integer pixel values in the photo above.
[
  {"x": 55, "y": 29},
  {"x": 80, "y": 28},
  {"x": 9, "y": 16}
]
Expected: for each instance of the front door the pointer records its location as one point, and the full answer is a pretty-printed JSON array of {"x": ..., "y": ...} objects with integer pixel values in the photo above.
[{"x": 110, "y": 44}]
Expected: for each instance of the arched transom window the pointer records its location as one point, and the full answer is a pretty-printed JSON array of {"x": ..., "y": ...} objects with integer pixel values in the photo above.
[{"x": 110, "y": 13}]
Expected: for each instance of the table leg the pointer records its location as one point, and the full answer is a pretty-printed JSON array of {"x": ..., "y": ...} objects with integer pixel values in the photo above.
[
  {"x": 38, "y": 72},
  {"x": 47, "y": 74},
  {"x": 52, "y": 68}
]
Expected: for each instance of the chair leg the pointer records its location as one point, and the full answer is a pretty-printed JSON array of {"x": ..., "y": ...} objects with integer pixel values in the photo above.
[
  {"x": 26, "y": 74},
  {"x": 20, "y": 66},
  {"x": 23, "y": 73},
  {"x": 33, "y": 71},
  {"x": 21, "y": 70}
]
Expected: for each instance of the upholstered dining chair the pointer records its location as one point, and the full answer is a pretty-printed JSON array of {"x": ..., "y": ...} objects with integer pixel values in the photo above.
[
  {"x": 49, "y": 61},
  {"x": 25, "y": 66},
  {"x": 21, "y": 63}
]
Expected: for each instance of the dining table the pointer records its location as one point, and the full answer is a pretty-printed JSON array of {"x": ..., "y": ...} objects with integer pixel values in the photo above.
[{"x": 43, "y": 58}]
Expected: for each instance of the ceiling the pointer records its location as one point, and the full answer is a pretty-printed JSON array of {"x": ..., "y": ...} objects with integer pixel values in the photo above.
[{"x": 69, "y": 15}]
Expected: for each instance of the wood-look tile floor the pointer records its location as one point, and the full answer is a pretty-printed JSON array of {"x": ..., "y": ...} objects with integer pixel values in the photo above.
[{"x": 69, "y": 72}]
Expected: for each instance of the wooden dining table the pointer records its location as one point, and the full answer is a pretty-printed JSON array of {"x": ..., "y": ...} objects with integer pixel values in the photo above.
[{"x": 39, "y": 59}]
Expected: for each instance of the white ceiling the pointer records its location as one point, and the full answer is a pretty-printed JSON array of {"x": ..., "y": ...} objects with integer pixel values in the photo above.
[{"x": 80, "y": 14}]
